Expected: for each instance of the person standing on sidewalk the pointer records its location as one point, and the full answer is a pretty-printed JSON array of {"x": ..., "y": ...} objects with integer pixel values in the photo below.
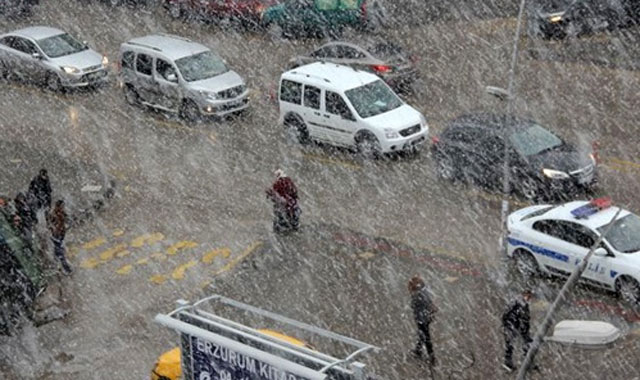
[
  {"x": 516, "y": 321},
  {"x": 284, "y": 195},
  {"x": 424, "y": 311},
  {"x": 40, "y": 189},
  {"x": 57, "y": 222}
]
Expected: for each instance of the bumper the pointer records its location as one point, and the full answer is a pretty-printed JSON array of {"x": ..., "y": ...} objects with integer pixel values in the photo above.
[
  {"x": 224, "y": 107},
  {"x": 568, "y": 186},
  {"x": 89, "y": 79},
  {"x": 405, "y": 143}
]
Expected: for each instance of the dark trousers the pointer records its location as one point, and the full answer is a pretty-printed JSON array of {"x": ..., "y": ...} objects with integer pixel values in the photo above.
[
  {"x": 424, "y": 339},
  {"x": 284, "y": 219},
  {"x": 59, "y": 253},
  {"x": 510, "y": 336}
]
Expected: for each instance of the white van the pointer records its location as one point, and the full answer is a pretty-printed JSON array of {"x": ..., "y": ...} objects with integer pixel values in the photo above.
[{"x": 346, "y": 107}]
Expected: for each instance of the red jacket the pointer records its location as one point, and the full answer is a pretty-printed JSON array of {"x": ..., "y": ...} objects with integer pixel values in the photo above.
[{"x": 285, "y": 191}]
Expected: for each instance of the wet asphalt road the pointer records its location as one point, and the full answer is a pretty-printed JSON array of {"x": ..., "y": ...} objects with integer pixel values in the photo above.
[{"x": 190, "y": 217}]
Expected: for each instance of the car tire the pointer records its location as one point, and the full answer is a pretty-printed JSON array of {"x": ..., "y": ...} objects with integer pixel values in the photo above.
[
  {"x": 175, "y": 10},
  {"x": 368, "y": 146},
  {"x": 446, "y": 168},
  {"x": 190, "y": 112},
  {"x": 53, "y": 83},
  {"x": 628, "y": 289},
  {"x": 526, "y": 264},
  {"x": 131, "y": 95},
  {"x": 299, "y": 129}
]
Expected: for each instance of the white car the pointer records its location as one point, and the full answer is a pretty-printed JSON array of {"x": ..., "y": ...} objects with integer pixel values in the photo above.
[
  {"x": 555, "y": 239},
  {"x": 347, "y": 107}
]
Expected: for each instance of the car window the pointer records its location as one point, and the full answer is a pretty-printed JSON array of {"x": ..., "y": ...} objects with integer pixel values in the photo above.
[
  {"x": 335, "y": 104},
  {"x": 164, "y": 69},
  {"x": 143, "y": 64},
  {"x": 312, "y": 97},
  {"x": 201, "y": 66},
  {"x": 570, "y": 232},
  {"x": 326, "y": 5},
  {"x": 325, "y": 52},
  {"x": 534, "y": 139},
  {"x": 24, "y": 45},
  {"x": 347, "y": 52},
  {"x": 624, "y": 235},
  {"x": 127, "y": 60},
  {"x": 290, "y": 91},
  {"x": 373, "y": 99},
  {"x": 61, "y": 45},
  {"x": 7, "y": 41},
  {"x": 349, "y": 4}
]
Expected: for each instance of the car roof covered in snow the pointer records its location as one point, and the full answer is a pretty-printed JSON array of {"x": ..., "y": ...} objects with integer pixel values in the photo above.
[
  {"x": 172, "y": 47},
  {"x": 37, "y": 32},
  {"x": 338, "y": 77}
]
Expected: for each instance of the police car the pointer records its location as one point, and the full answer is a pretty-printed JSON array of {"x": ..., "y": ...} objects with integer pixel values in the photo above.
[{"x": 554, "y": 239}]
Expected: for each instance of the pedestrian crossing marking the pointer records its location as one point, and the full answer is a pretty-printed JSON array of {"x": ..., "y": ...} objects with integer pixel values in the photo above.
[
  {"x": 181, "y": 245},
  {"x": 95, "y": 243},
  {"x": 178, "y": 273},
  {"x": 149, "y": 239},
  {"x": 208, "y": 257}
]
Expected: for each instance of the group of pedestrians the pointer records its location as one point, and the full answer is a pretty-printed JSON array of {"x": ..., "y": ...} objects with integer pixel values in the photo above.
[{"x": 516, "y": 322}]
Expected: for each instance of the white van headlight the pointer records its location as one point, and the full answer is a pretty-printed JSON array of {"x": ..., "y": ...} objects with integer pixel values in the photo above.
[
  {"x": 70, "y": 69},
  {"x": 390, "y": 133}
]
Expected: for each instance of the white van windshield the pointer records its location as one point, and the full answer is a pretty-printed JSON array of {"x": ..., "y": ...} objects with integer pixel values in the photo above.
[
  {"x": 201, "y": 66},
  {"x": 373, "y": 99}
]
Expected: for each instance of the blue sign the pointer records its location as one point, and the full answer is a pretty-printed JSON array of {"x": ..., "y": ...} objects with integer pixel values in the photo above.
[{"x": 211, "y": 361}]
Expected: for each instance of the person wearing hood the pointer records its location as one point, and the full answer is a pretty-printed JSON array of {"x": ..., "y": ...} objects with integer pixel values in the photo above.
[
  {"x": 424, "y": 311},
  {"x": 516, "y": 322},
  {"x": 40, "y": 189},
  {"x": 284, "y": 195}
]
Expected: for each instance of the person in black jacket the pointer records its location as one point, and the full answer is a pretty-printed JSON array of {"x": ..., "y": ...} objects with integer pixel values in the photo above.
[
  {"x": 40, "y": 188},
  {"x": 27, "y": 217},
  {"x": 516, "y": 321},
  {"x": 424, "y": 311}
]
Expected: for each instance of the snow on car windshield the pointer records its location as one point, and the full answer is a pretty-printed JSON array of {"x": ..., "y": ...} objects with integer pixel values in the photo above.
[
  {"x": 534, "y": 140},
  {"x": 373, "y": 99},
  {"x": 201, "y": 66},
  {"x": 624, "y": 235},
  {"x": 60, "y": 45}
]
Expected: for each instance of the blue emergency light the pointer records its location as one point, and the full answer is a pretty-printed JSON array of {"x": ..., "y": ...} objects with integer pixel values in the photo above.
[{"x": 591, "y": 208}]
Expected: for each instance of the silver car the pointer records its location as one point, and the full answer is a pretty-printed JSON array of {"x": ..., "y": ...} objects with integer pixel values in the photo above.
[
  {"x": 381, "y": 57},
  {"x": 51, "y": 57},
  {"x": 177, "y": 75}
]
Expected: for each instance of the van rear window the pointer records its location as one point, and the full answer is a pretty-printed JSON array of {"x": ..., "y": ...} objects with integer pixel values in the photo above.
[{"x": 290, "y": 92}]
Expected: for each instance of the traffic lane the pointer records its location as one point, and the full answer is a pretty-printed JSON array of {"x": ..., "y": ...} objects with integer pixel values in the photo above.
[{"x": 334, "y": 281}]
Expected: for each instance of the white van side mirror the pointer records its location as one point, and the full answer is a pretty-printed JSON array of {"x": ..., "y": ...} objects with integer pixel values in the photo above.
[
  {"x": 600, "y": 252},
  {"x": 36, "y": 55}
]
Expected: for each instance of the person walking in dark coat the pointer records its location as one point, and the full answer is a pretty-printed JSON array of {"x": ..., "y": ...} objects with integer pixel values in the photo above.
[
  {"x": 516, "y": 321},
  {"x": 57, "y": 222},
  {"x": 40, "y": 188},
  {"x": 284, "y": 195},
  {"x": 424, "y": 311}
]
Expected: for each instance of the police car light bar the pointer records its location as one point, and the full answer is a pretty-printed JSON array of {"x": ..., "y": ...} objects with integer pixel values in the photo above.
[{"x": 591, "y": 208}]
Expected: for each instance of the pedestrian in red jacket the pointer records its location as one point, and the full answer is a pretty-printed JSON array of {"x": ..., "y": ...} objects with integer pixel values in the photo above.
[{"x": 284, "y": 195}]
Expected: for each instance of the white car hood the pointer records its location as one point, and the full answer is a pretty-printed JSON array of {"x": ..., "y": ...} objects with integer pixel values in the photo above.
[
  {"x": 81, "y": 60},
  {"x": 218, "y": 83},
  {"x": 400, "y": 118},
  {"x": 587, "y": 333}
]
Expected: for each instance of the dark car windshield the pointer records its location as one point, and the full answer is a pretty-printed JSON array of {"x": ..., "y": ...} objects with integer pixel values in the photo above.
[
  {"x": 201, "y": 66},
  {"x": 624, "y": 235},
  {"x": 534, "y": 139},
  {"x": 60, "y": 45},
  {"x": 373, "y": 99}
]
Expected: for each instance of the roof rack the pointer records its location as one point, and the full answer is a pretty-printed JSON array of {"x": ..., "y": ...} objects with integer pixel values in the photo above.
[
  {"x": 196, "y": 321},
  {"x": 144, "y": 45},
  {"x": 169, "y": 35}
]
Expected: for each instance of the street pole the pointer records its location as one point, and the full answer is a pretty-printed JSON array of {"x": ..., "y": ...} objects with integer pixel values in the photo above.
[
  {"x": 506, "y": 167},
  {"x": 575, "y": 276}
]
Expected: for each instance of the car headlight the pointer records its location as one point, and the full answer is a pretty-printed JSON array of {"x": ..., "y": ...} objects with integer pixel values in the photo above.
[
  {"x": 70, "y": 69},
  {"x": 105, "y": 60},
  {"x": 390, "y": 134},
  {"x": 554, "y": 174},
  {"x": 555, "y": 19},
  {"x": 592, "y": 156},
  {"x": 209, "y": 95}
]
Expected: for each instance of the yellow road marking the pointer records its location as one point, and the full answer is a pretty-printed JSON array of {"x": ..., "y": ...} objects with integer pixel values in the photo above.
[
  {"x": 327, "y": 160},
  {"x": 208, "y": 257},
  {"x": 618, "y": 161},
  {"x": 146, "y": 239},
  {"x": 159, "y": 256},
  {"x": 95, "y": 243},
  {"x": 235, "y": 261},
  {"x": 125, "y": 269},
  {"x": 178, "y": 273},
  {"x": 185, "y": 244},
  {"x": 451, "y": 279},
  {"x": 142, "y": 261},
  {"x": 158, "y": 279},
  {"x": 366, "y": 255},
  {"x": 90, "y": 263},
  {"x": 123, "y": 253},
  {"x": 72, "y": 252},
  {"x": 118, "y": 232},
  {"x": 212, "y": 137},
  {"x": 111, "y": 252}
]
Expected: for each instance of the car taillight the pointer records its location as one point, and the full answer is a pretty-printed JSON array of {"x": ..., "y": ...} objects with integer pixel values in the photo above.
[
  {"x": 435, "y": 140},
  {"x": 381, "y": 69}
]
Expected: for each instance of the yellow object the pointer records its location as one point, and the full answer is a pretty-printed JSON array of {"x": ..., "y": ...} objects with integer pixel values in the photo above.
[
  {"x": 168, "y": 366},
  {"x": 286, "y": 338}
]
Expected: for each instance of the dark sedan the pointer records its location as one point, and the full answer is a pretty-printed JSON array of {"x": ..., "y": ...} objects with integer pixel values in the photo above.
[
  {"x": 384, "y": 58},
  {"x": 571, "y": 18},
  {"x": 542, "y": 165}
]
